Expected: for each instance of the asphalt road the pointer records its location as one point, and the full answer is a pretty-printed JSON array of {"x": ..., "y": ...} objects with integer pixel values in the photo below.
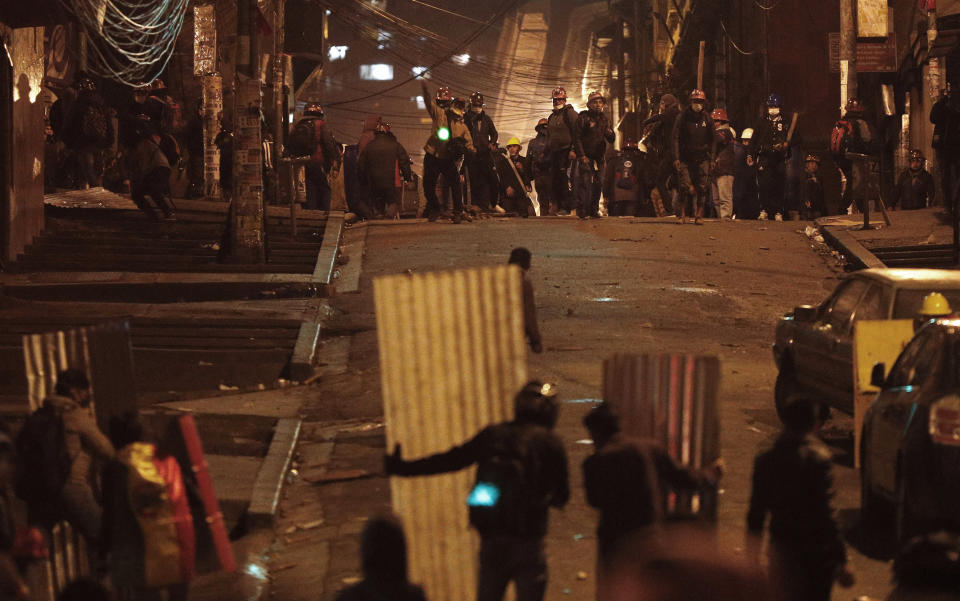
[{"x": 625, "y": 285}]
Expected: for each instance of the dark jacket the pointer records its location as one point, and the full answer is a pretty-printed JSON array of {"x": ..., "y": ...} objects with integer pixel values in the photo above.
[
  {"x": 946, "y": 126},
  {"x": 545, "y": 462},
  {"x": 530, "y": 324},
  {"x": 793, "y": 485},
  {"x": 325, "y": 142},
  {"x": 74, "y": 135},
  {"x": 813, "y": 196},
  {"x": 659, "y": 130},
  {"x": 372, "y": 590},
  {"x": 746, "y": 202},
  {"x": 379, "y": 160},
  {"x": 84, "y": 440},
  {"x": 507, "y": 177},
  {"x": 864, "y": 140},
  {"x": 914, "y": 190},
  {"x": 624, "y": 479},
  {"x": 725, "y": 163},
  {"x": 593, "y": 135},
  {"x": 693, "y": 137},
  {"x": 769, "y": 133},
  {"x": 537, "y": 155},
  {"x": 562, "y": 129},
  {"x": 482, "y": 130},
  {"x": 366, "y": 136}
]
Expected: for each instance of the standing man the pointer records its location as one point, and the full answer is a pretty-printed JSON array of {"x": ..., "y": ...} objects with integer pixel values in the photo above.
[
  {"x": 627, "y": 480},
  {"x": 659, "y": 143},
  {"x": 746, "y": 203},
  {"x": 522, "y": 257},
  {"x": 377, "y": 167},
  {"x": 915, "y": 188},
  {"x": 311, "y": 138},
  {"x": 694, "y": 149},
  {"x": 724, "y": 165},
  {"x": 538, "y": 157},
  {"x": 521, "y": 473},
  {"x": 440, "y": 157},
  {"x": 483, "y": 178},
  {"x": 945, "y": 116},
  {"x": 793, "y": 485},
  {"x": 771, "y": 140},
  {"x": 593, "y": 133},
  {"x": 814, "y": 203},
  {"x": 561, "y": 146},
  {"x": 89, "y": 131}
]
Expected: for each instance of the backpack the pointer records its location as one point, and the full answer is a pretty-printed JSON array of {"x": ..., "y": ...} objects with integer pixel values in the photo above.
[
  {"x": 170, "y": 149},
  {"x": 44, "y": 458},
  {"x": 94, "y": 125},
  {"x": 171, "y": 117},
  {"x": 841, "y": 137},
  {"x": 501, "y": 495},
  {"x": 305, "y": 139}
]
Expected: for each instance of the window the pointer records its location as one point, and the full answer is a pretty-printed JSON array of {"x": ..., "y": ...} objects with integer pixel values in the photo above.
[
  {"x": 908, "y": 302},
  {"x": 336, "y": 53},
  {"x": 841, "y": 306},
  {"x": 376, "y": 72},
  {"x": 920, "y": 361},
  {"x": 871, "y": 307}
]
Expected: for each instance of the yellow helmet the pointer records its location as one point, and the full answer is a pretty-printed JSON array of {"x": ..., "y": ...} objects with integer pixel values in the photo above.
[
  {"x": 514, "y": 141},
  {"x": 935, "y": 304}
]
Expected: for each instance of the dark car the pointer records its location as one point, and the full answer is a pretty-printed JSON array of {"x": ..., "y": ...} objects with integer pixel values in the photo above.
[
  {"x": 910, "y": 453},
  {"x": 814, "y": 345}
]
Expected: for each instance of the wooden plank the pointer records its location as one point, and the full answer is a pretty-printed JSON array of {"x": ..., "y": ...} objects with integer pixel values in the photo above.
[{"x": 327, "y": 257}]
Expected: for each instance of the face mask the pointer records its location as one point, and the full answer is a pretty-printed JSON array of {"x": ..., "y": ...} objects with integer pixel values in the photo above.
[
  {"x": 697, "y": 106},
  {"x": 559, "y": 103},
  {"x": 514, "y": 151},
  {"x": 476, "y": 109},
  {"x": 773, "y": 112}
]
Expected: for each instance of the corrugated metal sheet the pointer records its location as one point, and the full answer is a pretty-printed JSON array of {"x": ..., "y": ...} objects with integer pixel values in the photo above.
[
  {"x": 672, "y": 399},
  {"x": 452, "y": 356}
]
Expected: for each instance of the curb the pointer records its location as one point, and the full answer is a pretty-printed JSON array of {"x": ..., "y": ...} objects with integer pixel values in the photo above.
[
  {"x": 843, "y": 241},
  {"x": 269, "y": 483}
]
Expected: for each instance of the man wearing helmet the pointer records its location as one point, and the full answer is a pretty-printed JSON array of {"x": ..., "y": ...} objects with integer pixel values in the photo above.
[
  {"x": 694, "y": 151},
  {"x": 449, "y": 132},
  {"x": 935, "y": 306},
  {"x": 915, "y": 188},
  {"x": 311, "y": 138},
  {"x": 658, "y": 135},
  {"x": 746, "y": 203},
  {"x": 770, "y": 140},
  {"x": 561, "y": 145},
  {"x": 539, "y": 160},
  {"x": 509, "y": 513},
  {"x": 624, "y": 183},
  {"x": 483, "y": 179},
  {"x": 814, "y": 205},
  {"x": 724, "y": 165},
  {"x": 853, "y": 134},
  {"x": 593, "y": 133},
  {"x": 377, "y": 167},
  {"x": 89, "y": 130},
  {"x": 514, "y": 180}
]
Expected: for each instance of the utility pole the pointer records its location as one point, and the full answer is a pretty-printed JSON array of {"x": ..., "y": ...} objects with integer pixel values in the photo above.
[
  {"x": 247, "y": 211},
  {"x": 848, "y": 51}
]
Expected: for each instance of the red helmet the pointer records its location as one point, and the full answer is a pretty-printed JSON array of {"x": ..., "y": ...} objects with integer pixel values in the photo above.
[
  {"x": 719, "y": 114},
  {"x": 540, "y": 123},
  {"x": 444, "y": 95},
  {"x": 313, "y": 109},
  {"x": 558, "y": 92},
  {"x": 476, "y": 99},
  {"x": 382, "y": 126},
  {"x": 698, "y": 95},
  {"x": 853, "y": 105}
]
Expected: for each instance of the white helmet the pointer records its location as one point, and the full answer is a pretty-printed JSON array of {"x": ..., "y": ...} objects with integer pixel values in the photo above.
[{"x": 747, "y": 134}]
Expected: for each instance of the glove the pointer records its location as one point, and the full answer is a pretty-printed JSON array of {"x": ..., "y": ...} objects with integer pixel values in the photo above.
[{"x": 393, "y": 463}]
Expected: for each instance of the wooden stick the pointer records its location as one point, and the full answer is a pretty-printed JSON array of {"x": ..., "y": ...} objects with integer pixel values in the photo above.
[{"x": 700, "y": 66}]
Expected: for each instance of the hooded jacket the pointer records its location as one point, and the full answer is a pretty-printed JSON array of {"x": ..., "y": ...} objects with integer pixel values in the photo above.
[
  {"x": 379, "y": 160},
  {"x": 84, "y": 439},
  {"x": 443, "y": 149}
]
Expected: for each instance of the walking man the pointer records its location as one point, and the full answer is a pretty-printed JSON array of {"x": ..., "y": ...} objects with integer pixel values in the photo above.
[
  {"x": 694, "y": 150},
  {"x": 521, "y": 472}
]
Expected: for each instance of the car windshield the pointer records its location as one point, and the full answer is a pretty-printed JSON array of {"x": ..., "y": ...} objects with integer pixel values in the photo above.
[{"x": 908, "y": 302}]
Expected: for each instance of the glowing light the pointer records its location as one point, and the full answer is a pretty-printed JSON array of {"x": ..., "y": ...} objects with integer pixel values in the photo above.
[
  {"x": 376, "y": 72},
  {"x": 256, "y": 570},
  {"x": 461, "y": 59},
  {"x": 421, "y": 103},
  {"x": 336, "y": 53},
  {"x": 443, "y": 133},
  {"x": 483, "y": 494},
  {"x": 418, "y": 71}
]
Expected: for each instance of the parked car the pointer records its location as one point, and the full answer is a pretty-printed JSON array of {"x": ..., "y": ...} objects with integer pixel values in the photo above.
[
  {"x": 910, "y": 448},
  {"x": 814, "y": 345}
]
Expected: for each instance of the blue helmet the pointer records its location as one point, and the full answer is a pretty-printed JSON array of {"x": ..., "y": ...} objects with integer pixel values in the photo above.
[{"x": 774, "y": 100}]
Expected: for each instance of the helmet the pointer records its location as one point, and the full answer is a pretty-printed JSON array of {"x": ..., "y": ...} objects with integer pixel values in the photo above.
[
  {"x": 917, "y": 155},
  {"x": 158, "y": 85},
  {"x": 698, "y": 95},
  {"x": 535, "y": 403},
  {"x": 314, "y": 109},
  {"x": 381, "y": 126},
  {"x": 774, "y": 100},
  {"x": 594, "y": 95},
  {"x": 935, "y": 304},
  {"x": 747, "y": 134},
  {"x": 86, "y": 84},
  {"x": 540, "y": 123},
  {"x": 558, "y": 92},
  {"x": 853, "y": 106},
  {"x": 668, "y": 100},
  {"x": 444, "y": 95},
  {"x": 719, "y": 115},
  {"x": 514, "y": 141},
  {"x": 459, "y": 103},
  {"x": 811, "y": 158},
  {"x": 476, "y": 99}
]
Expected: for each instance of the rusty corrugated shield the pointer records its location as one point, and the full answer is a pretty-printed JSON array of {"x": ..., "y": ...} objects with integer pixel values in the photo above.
[
  {"x": 452, "y": 356},
  {"x": 672, "y": 399}
]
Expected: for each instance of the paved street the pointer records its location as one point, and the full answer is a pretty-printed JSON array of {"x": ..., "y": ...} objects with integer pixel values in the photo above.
[{"x": 602, "y": 286}]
